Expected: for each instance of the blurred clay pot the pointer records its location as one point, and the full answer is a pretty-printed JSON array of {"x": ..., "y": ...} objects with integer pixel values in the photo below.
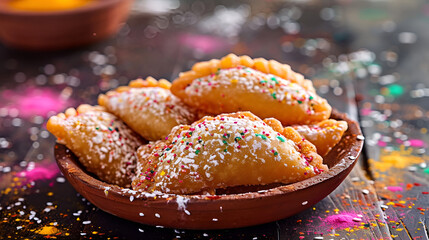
[{"x": 53, "y": 30}]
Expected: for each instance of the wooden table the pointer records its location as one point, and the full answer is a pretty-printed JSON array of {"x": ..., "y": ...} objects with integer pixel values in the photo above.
[{"x": 369, "y": 59}]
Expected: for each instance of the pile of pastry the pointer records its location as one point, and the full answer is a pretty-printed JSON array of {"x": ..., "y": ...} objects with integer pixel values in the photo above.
[{"x": 231, "y": 122}]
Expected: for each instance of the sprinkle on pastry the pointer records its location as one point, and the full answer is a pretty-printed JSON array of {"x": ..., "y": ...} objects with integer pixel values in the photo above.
[
  {"x": 102, "y": 142},
  {"x": 148, "y": 107},
  {"x": 236, "y": 87},
  {"x": 324, "y": 135},
  {"x": 228, "y": 150}
]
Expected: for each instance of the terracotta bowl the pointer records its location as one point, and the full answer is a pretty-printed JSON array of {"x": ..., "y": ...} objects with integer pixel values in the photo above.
[
  {"x": 53, "y": 30},
  {"x": 219, "y": 211}
]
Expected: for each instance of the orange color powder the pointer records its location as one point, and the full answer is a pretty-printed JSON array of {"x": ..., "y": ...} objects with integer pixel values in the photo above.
[
  {"x": 47, "y": 5},
  {"x": 47, "y": 230}
]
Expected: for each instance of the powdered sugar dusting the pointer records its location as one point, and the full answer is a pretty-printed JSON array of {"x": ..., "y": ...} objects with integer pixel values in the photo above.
[
  {"x": 142, "y": 108},
  {"x": 112, "y": 156},
  {"x": 252, "y": 80},
  {"x": 181, "y": 202},
  {"x": 222, "y": 151}
]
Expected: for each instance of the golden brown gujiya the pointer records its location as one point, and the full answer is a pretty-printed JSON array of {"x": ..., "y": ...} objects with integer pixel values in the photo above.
[
  {"x": 324, "y": 135},
  {"x": 148, "y": 107},
  {"x": 266, "y": 88},
  {"x": 102, "y": 142},
  {"x": 237, "y": 149}
]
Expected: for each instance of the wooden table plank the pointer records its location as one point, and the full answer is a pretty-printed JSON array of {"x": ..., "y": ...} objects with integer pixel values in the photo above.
[
  {"x": 347, "y": 198},
  {"x": 393, "y": 119}
]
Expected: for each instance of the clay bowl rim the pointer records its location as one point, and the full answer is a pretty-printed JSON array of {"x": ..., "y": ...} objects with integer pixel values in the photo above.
[
  {"x": 342, "y": 165},
  {"x": 92, "y": 6}
]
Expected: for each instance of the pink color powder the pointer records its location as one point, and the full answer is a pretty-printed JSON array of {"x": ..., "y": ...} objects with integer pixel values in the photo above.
[
  {"x": 381, "y": 143},
  {"x": 33, "y": 101},
  {"x": 40, "y": 173},
  {"x": 394, "y": 189},
  {"x": 365, "y": 111},
  {"x": 204, "y": 43},
  {"x": 343, "y": 220},
  {"x": 417, "y": 143}
]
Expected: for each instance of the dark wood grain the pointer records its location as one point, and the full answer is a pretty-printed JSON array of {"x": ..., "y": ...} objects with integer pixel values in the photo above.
[{"x": 406, "y": 215}]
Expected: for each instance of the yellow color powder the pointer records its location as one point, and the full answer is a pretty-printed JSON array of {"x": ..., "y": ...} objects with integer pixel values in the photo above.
[
  {"x": 47, "y": 230},
  {"x": 47, "y": 5},
  {"x": 396, "y": 159}
]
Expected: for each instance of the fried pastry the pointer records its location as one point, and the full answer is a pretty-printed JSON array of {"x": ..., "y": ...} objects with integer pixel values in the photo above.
[
  {"x": 266, "y": 88},
  {"x": 148, "y": 107},
  {"x": 324, "y": 135},
  {"x": 103, "y": 143},
  {"x": 237, "y": 149}
]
